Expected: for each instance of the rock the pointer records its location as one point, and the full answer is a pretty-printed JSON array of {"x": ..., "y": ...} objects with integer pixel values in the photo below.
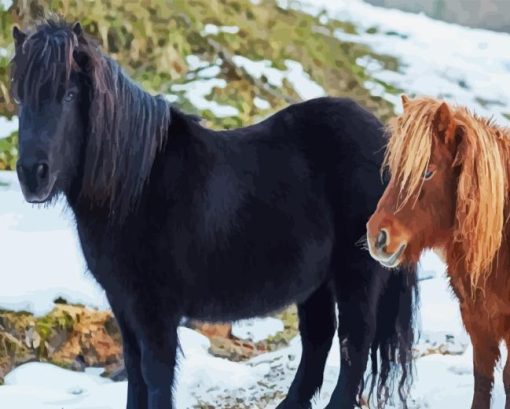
[
  {"x": 212, "y": 330},
  {"x": 70, "y": 336}
]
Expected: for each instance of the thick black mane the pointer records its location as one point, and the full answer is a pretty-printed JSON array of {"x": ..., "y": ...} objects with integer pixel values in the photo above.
[{"x": 126, "y": 125}]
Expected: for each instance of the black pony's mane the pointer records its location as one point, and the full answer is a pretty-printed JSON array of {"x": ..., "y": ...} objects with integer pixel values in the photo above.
[{"x": 126, "y": 126}]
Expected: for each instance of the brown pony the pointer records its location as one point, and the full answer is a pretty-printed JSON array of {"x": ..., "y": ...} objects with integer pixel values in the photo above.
[{"x": 449, "y": 192}]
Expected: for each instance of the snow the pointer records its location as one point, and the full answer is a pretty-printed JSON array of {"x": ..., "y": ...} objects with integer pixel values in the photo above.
[
  {"x": 200, "y": 376},
  {"x": 261, "y": 103},
  {"x": 197, "y": 91},
  {"x": 195, "y": 62},
  {"x": 212, "y": 29},
  {"x": 437, "y": 59},
  {"x": 201, "y": 81},
  {"x": 6, "y": 4},
  {"x": 8, "y": 126},
  {"x": 300, "y": 80},
  {"x": 447, "y": 381},
  {"x": 41, "y": 257},
  {"x": 258, "y": 69},
  {"x": 294, "y": 74},
  {"x": 39, "y": 385},
  {"x": 257, "y": 329}
]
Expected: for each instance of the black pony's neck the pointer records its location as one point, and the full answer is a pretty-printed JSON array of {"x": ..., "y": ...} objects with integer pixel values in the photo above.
[{"x": 127, "y": 127}]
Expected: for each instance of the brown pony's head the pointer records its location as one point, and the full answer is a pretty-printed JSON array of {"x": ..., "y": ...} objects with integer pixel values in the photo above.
[{"x": 447, "y": 188}]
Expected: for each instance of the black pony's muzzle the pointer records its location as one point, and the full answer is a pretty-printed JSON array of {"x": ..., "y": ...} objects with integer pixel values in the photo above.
[{"x": 36, "y": 181}]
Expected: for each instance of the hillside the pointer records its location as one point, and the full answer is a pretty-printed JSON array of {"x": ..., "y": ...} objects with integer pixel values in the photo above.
[{"x": 230, "y": 61}]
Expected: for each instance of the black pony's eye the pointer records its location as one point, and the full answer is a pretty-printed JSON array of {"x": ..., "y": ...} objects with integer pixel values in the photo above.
[
  {"x": 428, "y": 174},
  {"x": 69, "y": 96}
]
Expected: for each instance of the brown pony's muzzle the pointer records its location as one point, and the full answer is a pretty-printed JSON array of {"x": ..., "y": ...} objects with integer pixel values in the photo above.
[{"x": 387, "y": 241}]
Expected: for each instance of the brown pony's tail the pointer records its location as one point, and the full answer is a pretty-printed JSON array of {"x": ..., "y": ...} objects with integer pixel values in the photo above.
[{"x": 392, "y": 369}]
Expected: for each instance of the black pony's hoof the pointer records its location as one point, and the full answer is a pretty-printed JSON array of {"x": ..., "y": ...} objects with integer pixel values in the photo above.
[
  {"x": 289, "y": 404},
  {"x": 341, "y": 405}
]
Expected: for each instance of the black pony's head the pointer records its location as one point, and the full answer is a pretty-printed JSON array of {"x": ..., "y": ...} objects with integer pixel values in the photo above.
[
  {"x": 84, "y": 126},
  {"x": 49, "y": 87}
]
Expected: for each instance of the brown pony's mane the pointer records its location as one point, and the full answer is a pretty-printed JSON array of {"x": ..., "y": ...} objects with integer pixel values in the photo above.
[{"x": 482, "y": 156}]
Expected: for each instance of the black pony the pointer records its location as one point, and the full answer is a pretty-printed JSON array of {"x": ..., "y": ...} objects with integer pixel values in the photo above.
[{"x": 176, "y": 220}]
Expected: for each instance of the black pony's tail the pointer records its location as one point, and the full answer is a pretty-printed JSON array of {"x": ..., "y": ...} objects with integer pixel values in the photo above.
[{"x": 392, "y": 349}]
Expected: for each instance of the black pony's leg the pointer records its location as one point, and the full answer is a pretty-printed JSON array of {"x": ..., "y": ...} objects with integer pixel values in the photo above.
[
  {"x": 317, "y": 324},
  {"x": 357, "y": 302},
  {"x": 137, "y": 390},
  {"x": 158, "y": 347}
]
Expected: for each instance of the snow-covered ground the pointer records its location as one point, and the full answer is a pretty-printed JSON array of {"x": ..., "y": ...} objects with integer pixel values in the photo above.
[
  {"x": 41, "y": 260},
  {"x": 41, "y": 256},
  {"x": 464, "y": 65}
]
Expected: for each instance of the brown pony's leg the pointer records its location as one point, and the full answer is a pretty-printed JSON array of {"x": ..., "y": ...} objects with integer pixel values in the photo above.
[{"x": 485, "y": 355}]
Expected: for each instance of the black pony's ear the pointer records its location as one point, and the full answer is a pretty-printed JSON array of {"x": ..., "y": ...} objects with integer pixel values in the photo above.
[
  {"x": 19, "y": 36},
  {"x": 77, "y": 29}
]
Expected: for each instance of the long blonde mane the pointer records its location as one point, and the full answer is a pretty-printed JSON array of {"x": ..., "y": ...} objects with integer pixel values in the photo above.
[{"x": 483, "y": 155}]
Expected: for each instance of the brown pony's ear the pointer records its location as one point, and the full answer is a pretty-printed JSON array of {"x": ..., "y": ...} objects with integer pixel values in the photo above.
[
  {"x": 19, "y": 36},
  {"x": 445, "y": 124},
  {"x": 405, "y": 101}
]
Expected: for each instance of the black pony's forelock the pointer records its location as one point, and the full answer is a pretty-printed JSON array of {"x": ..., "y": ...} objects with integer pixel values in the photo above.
[
  {"x": 43, "y": 62},
  {"x": 126, "y": 126}
]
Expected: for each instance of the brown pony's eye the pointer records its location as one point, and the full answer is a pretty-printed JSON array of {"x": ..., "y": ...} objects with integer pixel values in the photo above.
[{"x": 428, "y": 174}]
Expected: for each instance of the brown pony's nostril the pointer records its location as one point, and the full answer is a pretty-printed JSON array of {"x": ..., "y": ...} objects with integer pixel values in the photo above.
[
  {"x": 382, "y": 239},
  {"x": 42, "y": 171}
]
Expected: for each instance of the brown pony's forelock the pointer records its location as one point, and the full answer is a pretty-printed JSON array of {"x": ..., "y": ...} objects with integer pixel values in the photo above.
[
  {"x": 126, "y": 125},
  {"x": 482, "y": 157},
  {"x": 409, "y": 148}
]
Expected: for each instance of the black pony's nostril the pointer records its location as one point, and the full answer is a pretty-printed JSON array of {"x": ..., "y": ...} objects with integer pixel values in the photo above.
[
  {"x": 381, "y": 239},
  {"x": 42, "y": 171}
]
